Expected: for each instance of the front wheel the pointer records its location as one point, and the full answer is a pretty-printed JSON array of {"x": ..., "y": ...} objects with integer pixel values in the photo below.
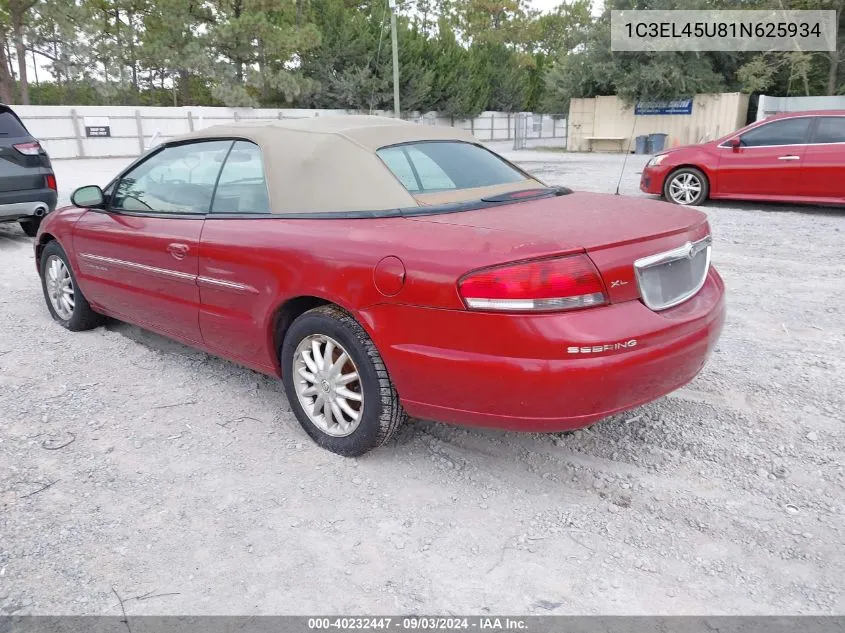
[
  {"x": 337, "y": 383},
  {"x": 65, "y": 300},
  {"x": 686, "y": 186}
]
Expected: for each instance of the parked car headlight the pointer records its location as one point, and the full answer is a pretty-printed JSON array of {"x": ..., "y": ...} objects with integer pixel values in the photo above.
[{"x": 656, "y": 160}]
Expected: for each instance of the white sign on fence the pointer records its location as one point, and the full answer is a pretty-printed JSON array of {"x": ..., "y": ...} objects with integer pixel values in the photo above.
[{"x": 96, "y": 126}]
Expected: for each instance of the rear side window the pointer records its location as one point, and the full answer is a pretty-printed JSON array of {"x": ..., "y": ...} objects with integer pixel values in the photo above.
[
  {"x": 10, "y": 126},
  {"x": 784, "y": 132},
  {"x": 242, "y": 187},
  {"x": 831, "y": 129},
  {"x": 447, "y": 166}
]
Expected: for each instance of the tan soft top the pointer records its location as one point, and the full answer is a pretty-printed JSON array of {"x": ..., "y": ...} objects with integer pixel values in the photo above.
[{"x": 328, "y": 164}]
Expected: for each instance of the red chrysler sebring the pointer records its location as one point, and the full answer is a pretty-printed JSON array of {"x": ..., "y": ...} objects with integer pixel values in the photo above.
[
  {"x": 384, "y": 269},
  {"x": 796, "y": 157}
]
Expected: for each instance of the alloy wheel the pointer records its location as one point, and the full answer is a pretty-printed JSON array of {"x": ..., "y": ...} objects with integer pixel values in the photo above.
[
  {"x": 60, "y": 288},
  {"x": 328, "y": 385},
  {"x": 685, "y": 188}
]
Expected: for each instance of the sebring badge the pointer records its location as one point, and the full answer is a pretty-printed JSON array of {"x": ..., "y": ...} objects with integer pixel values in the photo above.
[{"x": 595, "y": 349}]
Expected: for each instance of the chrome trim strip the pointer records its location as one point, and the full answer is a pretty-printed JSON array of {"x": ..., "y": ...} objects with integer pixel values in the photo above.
[
  {"x": 164, "y": 272},
  {"x": 222, "y": 283},
  {"x": 175, "y": 274},
  {"x": 685, "y": 250},
  {"x": 688, "y": 250}
]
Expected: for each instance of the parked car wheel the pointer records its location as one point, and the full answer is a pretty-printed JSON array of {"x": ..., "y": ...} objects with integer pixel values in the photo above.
[
  {"x": 337, "y": 383},
  {"x": 30, "y": 226},
  {"x": 65, "y": 300},
  {"x": 686, "y": 186}
]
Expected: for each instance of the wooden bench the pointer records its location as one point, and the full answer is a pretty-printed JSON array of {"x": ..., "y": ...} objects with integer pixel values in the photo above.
[{"x": 592, "y": 141}]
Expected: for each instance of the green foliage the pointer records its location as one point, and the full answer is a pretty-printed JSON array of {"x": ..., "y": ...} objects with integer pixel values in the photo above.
[
  {"x": 505, "y": 73},
  {"x": 460, "y": 88},
  {"x": 593, "y": 69},
  {"x": 805, "y": 74},
  {"x": 458, "y": 57}
]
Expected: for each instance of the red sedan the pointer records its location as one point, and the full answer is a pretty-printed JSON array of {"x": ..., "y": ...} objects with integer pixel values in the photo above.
[
  {"x": 383, "y": 268},
  {"x": 796, "y": 157}
]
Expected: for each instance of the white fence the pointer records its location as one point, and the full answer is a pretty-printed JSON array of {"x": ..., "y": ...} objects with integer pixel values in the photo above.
[
  {"x": 125, "y": 131},
  {"x": 767, "y": 106}
]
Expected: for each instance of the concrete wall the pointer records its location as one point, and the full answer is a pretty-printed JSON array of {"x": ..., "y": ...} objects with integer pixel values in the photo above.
[
  {"x": 62, "y": 129},
  {"x": 767, "y": 106},
  {"x": 713, "y": 115}
]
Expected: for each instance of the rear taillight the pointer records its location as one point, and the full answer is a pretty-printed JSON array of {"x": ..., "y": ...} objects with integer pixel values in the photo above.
[
  {"x": 29, "y": 149},
  {"x": 50, "y": 181},
  {"x": 564, "y": 283}
]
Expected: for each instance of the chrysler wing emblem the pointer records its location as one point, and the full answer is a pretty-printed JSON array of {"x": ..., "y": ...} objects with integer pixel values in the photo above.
[{"x": 695, "y": 249}]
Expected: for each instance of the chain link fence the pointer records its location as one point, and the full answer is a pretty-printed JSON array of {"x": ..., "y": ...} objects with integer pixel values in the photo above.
[{"x": 539, "y": 130}]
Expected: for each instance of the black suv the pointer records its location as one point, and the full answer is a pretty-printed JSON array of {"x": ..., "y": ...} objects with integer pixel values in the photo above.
[{"x": 27, "y": 181}]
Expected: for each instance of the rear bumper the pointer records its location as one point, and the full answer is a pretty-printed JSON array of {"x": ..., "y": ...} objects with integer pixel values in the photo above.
[
  {"x": 516, "y": 372},
  {"x": 26, "y": 203}
]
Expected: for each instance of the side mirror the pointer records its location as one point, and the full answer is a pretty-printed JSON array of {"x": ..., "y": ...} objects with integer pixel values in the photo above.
[
  {"x": 90, "y": 196},
  {"x": 735, "y": 143}
]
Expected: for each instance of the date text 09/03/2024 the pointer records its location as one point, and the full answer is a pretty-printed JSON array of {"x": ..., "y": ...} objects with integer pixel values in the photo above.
[{"x": 417, "y": 623}]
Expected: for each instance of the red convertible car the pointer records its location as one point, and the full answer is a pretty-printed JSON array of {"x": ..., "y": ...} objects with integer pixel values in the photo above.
[
  {"x": 383, "y": 269},
  {"x": 796, "y": 157}
]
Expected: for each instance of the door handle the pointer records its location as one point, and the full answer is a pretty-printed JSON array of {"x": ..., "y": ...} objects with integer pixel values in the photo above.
[
  {"x": 178, "y": 250},
  {"x": 789, "y": 157}
]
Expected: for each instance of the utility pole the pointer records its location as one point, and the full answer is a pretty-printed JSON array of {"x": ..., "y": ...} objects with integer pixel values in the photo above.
[{"x": 394, "y": 39}]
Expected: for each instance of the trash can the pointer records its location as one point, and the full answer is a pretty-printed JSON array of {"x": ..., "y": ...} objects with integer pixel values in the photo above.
[
  {"x": 656, "y": 142},
  {"x": 641, "y": 144}
]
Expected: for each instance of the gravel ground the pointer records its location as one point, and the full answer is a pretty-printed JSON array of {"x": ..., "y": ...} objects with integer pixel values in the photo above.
[{"x": 134, "y": 466}]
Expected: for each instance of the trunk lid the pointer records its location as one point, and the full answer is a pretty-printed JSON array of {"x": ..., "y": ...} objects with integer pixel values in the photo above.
[{"x": 614, "y": 230}]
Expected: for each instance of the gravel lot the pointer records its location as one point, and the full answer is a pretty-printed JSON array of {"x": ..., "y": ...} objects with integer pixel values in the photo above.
[{"x": 188, "y": 487}]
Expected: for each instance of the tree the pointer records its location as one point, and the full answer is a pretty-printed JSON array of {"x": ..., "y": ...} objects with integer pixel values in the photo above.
[
  {"x": 561, "y": 30},
  {"x": 416, "y": 68},
  {"x": 6, "y": 80},
  {"x": 490, "y": 21},
  {"x": 174, "y": 44},
  {"x": 507, "y": 75},
  {"x": 256, "y": 42},
  {"x": 594, "y": 69},
  {"x": 456, "y": 56},
  {"x": 344, "y": 69},
  {"x": 15, "y": 14},
  {"x": 460, "y": 89},
  {"x": 56, "y": 34},
  {"x": 814, "y": 73}
]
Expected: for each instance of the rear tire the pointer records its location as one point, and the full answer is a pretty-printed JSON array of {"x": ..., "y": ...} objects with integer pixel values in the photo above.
[
  {"x": 65, "y": 301},
  {"x": 30, "y": 226},
  {"x": 346, "y": 375},
  {"x": 686, "y": 186}
]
